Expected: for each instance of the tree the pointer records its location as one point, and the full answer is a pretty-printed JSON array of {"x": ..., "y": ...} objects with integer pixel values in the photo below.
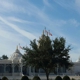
[
  {"x": 66, "y": 78},
  {"x": 4, "y": 57},
  {"x": 24, "y": 78},
  {"x": 61, "y": 52},
  {"x": 4, "y": 78},
  {"x": 46, "y": 54},
  {"x": 58, "y": 78}
]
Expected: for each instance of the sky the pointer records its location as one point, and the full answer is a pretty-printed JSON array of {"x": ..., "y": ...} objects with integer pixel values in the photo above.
[{"x": 24, "y": 20}]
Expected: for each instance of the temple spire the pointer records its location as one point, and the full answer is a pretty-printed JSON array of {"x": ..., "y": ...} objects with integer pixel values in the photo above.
[
  {"x": 17, "y": 50},
  {"x": 43, "y": 32},
  {"x": 17, "y": 47}
]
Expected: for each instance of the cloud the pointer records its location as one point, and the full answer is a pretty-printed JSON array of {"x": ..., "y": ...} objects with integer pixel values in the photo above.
[
  {"x": 14, "y": 19},
  {"x": 8, "y": 6},
  {"x": 59, "y": 22},
  {"x": 23, "y": 32},
  {"x": 36, "y": 13},
  {"x": 9, "y": 40},
  {"x": 62, "y": 3},
  {"x": 10, "y": 36},
  {"x": 69, "y": 4},
  {"x": 74, "y": 22},
  {"x": 31, "y": 10},
  {"x": 77, "y": 5},
  {"x": 77, "y": 2},
  {"x": 46, "y": 3}
]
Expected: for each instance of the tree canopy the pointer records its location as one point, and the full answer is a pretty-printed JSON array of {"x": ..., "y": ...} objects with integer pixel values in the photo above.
[
  {"x": 4, "y": 57},
  {"x": 46, "y": 54}
]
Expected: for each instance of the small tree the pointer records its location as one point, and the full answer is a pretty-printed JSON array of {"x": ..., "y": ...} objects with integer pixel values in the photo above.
[
  {"x": 4, "y": 78},
  {"x": 36, "y": 78},
  {"x": 24, "y": 78},
  {"x": 73, "y": 79},
  {"x": 4, "y": 57},
  {"x": 58, "y": 78},
  {"x": 66, "y": 78},
  {"x": 46, "y": 54}
]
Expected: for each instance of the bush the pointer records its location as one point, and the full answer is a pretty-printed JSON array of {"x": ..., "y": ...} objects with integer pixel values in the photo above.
[
  {"x": 72, "y": 79},
  {"x": 58, "y": 78},
  {"x": 36, "y": 78},
  {"x": 4, "y": 78},
  {"x": 66, "y": 78},
  {"x": 24, "y": 78}
]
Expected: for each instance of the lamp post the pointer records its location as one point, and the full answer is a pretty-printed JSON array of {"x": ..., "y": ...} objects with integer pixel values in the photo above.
[
  {"x": 57, "y": 69},
  {"x": 13, "y": 69}
]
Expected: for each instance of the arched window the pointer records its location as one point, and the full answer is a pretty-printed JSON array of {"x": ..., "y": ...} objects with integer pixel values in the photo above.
[
  {"x": 24, "y": 70},
  {"x": 1, "y": 68},
  {"x": 16, "y": 68},
  {"x": 8, "y": 68}
]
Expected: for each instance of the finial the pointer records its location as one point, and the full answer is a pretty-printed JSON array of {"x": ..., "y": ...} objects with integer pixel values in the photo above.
[
  {"x": 17, "y": 47},
  {"x": 43, "y": 32}
]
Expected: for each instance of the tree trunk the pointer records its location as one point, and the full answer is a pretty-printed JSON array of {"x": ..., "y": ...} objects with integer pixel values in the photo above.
[{"x": 47, "y": 75}]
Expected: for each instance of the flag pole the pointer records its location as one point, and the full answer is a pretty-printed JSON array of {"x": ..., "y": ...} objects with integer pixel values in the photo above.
[{"x": 46, "y": 32}]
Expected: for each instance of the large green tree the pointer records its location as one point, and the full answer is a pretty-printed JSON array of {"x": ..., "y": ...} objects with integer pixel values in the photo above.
[{"x": 47, "y": 54}]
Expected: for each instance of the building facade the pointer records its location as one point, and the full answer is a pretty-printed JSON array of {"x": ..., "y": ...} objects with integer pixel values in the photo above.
[{"x": 13, "y": 67}]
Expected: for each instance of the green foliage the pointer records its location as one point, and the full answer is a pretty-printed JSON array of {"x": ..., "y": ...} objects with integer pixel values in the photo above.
[
  {"x": 47, "y": 53},
  {"x": 58, "y": 78},
  {"x": 36, "y": 78},
  {"x": 4, "y": 57},
  {"x": 4, "y": 78},
  {"x": 72, "y": 79},
  {"x": 66, "y": 78},
  {"x": 61, "y": 52},
  {"x": 24, "y": 78}
]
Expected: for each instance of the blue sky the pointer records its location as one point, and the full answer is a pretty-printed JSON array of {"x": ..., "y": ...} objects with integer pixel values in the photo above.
[{"x": 24, "y": 20}]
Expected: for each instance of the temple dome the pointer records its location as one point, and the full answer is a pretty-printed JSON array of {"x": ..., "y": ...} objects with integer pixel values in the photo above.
[{"x": 16, "y": 56}]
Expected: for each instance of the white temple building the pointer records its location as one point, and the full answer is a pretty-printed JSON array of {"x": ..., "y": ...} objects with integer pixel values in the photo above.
[{"x": 13, "y": 67}]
